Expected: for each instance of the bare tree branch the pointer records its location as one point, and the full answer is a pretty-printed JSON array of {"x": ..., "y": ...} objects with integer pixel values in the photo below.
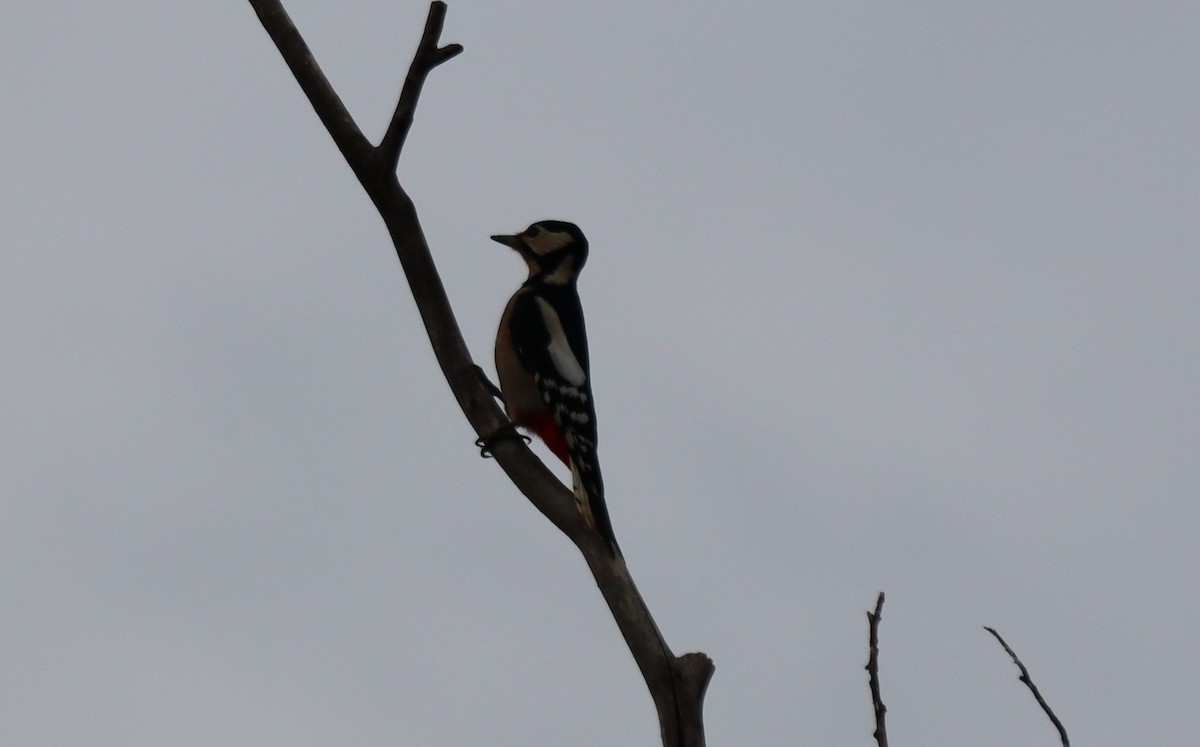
[
  {"x": 677, "y": 684},
  {"x": 429, "y": 55},
  {"x": 872, "y": 667},
  {"x": 1062, "y": 732},
  {"x": 345, "y": 133}
]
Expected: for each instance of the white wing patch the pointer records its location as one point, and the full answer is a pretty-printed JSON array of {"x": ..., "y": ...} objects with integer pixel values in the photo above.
[{"x": 559, "y": 348}]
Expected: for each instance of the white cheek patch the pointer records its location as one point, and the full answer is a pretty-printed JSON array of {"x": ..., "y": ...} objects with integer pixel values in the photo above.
[
  {"x": 563, "y": 274},
  {"x": 548, "y": 241},
  {"x": 560, "y": 349}
]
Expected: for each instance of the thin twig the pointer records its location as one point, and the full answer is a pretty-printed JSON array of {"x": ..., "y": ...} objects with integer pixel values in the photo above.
[
  {"x": 1062, "y": 732},
  {"x": 677, "y": 684},
  {"x": 429, "y": 55},
  {"x": 873, "y": 672}
]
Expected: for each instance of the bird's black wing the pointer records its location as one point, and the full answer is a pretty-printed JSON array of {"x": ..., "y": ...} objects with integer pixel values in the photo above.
[{"x": 551, "y": 340}]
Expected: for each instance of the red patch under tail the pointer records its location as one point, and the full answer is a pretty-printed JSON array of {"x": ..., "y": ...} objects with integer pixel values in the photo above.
[{"x": 543, "y": 426}]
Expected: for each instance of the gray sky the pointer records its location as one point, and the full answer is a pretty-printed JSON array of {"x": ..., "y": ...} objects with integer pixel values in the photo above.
[{"x": 881, "y": 296}]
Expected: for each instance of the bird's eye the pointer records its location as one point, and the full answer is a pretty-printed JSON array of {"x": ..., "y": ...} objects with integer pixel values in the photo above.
[{"x": 533, "y": 231}]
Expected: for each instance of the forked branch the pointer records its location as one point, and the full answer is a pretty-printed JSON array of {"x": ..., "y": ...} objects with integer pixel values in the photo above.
[
  {"x": 677, "y": 684},
  {"x": 429, "y": 55}
]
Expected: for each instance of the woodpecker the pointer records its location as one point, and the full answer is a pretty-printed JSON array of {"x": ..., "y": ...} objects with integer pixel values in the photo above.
[{"x": 542, "y": 360}]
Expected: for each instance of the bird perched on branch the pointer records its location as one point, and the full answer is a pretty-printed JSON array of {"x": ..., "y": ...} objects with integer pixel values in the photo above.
[{"x": 542, "y": 359}]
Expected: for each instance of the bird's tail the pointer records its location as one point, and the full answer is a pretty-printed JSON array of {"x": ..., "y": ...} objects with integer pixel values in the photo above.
[{"x": 589, "y": 496}]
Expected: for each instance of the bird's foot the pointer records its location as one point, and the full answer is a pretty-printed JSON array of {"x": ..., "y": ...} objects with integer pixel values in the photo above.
[
  {"x": 492, "y": 388},
  {"x": 509, "y": 430}
]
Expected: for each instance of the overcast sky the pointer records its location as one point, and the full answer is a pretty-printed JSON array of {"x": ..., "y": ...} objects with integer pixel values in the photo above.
[{"x": 882, "y": 296}]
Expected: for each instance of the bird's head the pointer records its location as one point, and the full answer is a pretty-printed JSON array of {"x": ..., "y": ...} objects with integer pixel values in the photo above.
[{"x": 553, "y": 249}]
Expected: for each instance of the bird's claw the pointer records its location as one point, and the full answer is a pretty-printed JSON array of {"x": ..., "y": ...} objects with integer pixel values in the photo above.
[
  {"x": 484, "y": 443},
  {"x": 492, "y": 388}
]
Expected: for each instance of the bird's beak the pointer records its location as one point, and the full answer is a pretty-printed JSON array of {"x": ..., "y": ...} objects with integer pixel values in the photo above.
[{"x": 509, "y": 241}]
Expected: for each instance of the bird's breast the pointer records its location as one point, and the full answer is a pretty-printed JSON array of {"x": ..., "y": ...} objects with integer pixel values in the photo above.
[{"x": 520, "y": 392}]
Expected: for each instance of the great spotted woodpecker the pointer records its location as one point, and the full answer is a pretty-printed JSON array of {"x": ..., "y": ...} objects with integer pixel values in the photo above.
[{"x": 542, "y": 359}]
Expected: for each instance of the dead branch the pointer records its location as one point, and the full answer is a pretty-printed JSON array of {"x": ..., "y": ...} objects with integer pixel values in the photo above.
[
  {"x": 1062, "y": 732},
  {"x": 677, "y": 684},
  {"x": 873, "y": 619}
]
